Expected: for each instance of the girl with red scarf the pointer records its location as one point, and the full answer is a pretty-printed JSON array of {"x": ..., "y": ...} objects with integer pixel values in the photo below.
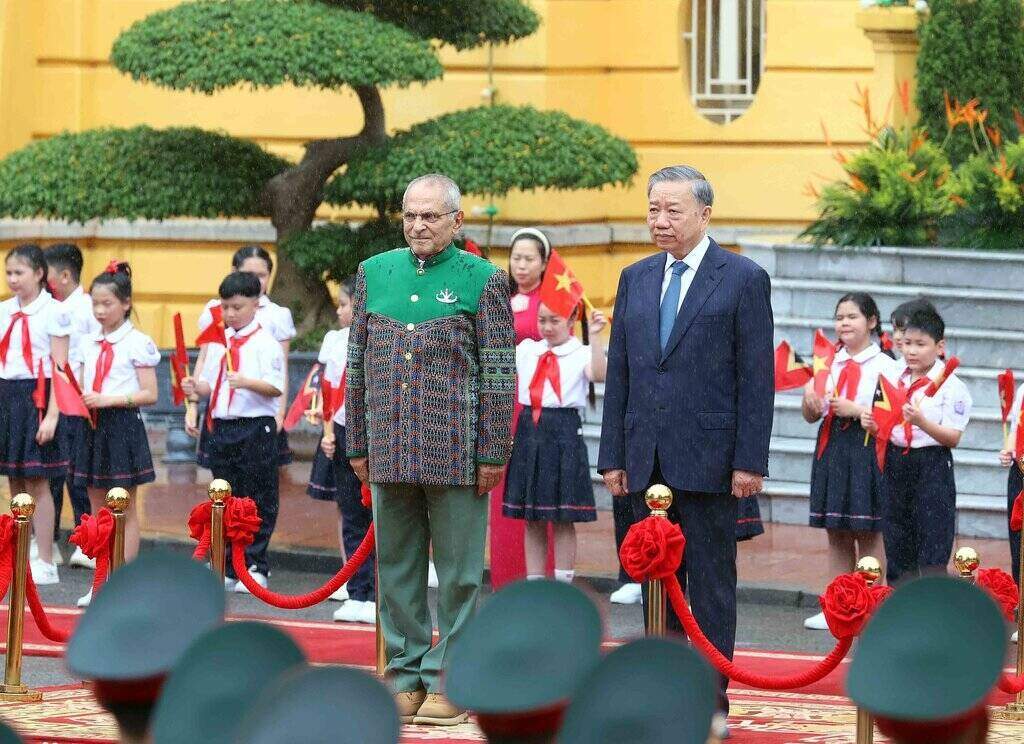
[{"x": 548, "y": 479}]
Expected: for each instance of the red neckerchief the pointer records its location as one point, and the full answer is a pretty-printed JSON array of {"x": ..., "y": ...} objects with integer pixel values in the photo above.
[
  {"x": 547, "y": 371},
  {"x": 908, "y": 428},
  {"x": 235, "y": 344},
  {"x": 103, "y": 364},
  {"x": 26, "y": 340},
  {"x": 846, "y": 386}
]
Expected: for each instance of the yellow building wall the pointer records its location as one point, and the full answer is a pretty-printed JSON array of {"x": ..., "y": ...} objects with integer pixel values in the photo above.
[{"x": 620, "y": 63}]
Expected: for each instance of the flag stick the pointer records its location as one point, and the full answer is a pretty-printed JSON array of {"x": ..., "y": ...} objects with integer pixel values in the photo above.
[
  {"x": 588, "y": 303},
  {"x": 1006, "y": 436}
]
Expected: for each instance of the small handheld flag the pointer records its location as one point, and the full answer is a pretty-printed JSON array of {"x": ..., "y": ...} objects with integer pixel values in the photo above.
[
  {"x": 1007, "y": 390},
  {"x": 303, "y": 399},
  {"x": 560, "y": 290},
  {"x": 824, "y": 353},
  {"x": 68, "y": 393},
  {"x": 214, "y": 333},
  {"x": 39, "y": 394},
  {"x": 887, "y": 411},
  {"x": 791, "y": 371},
  {"x": 886, "y": 342},
  {"x": 179, "y": 361},
  {"x": 947, "y": 371}
]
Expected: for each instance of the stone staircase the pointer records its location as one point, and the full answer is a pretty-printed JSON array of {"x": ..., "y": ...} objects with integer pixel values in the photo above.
[{"x": 978, "y": 296}]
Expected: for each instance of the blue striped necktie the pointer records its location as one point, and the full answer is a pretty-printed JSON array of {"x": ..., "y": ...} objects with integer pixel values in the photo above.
[{"x": 670, "y": 302}]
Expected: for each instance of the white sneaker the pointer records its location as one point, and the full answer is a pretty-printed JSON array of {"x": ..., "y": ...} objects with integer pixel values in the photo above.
[
  {"x": 341, "y": 595},
  {"x": 33, "y": 553},
  {"x": 81, "y": 560},
  {"x": 260, "y": 579},
  {"x": 431, "y": 575},
  {"x": 816, "y": 622},
  {"x": 355, "y": 611},
  {"x": 85, "y": 600},
  {"x": 719, "y": 729},
  {"x": 1014, "y": 637},
  {"x": 627, "y": 594},
  {"x": 230, "y": 584},
  {"x": 44, "y": 574},
  {"x": 58, "y": 559}
]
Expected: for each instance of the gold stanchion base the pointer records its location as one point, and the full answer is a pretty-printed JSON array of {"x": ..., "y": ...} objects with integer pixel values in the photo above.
[
  {"x": 1012, "y": 712},
  {"x": 19, "y": 694}
]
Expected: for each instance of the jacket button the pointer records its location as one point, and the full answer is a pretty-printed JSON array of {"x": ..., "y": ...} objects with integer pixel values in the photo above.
[
  {"x": 661, "y": 370},
  {"x": 410, "y": 326}
]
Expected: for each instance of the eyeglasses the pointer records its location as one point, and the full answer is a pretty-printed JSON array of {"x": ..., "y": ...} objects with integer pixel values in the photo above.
[{"x": 429, "y": 218}]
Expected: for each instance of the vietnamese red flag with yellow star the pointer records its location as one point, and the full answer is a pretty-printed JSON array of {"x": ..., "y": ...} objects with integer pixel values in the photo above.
[
  {"x": 561, "y": 291},
  {"x": 214, "y": 333},
  {"x": 791, "y": 371},
  {"x": 824, "y": 353}
]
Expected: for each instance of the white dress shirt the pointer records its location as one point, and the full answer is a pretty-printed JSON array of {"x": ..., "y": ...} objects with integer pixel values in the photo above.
[
  {"x": 260, "y": 358},
  {"x": 276, "y": 319},
  {"x": 334, "y": 357},
  {"x": 692, "y": 260},
  {"x": 573, "y": 361},
  {"x": 873, "y": 362},
  {"x": 132, "y": 349},
  {"x": 950, "y": 406},
  {"x": 74, "y": 318},
  {"x": 40, "y": 319}
]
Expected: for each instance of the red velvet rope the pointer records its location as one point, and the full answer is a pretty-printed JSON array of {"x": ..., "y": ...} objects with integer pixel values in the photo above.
[
  {"x": 8, "y": 539},
  {"x": 298, "y": 602},
  {"x": 728, "y": 669},
  {"x": 39, "y": 613}
]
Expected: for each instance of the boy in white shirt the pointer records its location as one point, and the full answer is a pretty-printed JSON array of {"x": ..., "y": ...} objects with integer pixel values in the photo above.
[{"x": 243, "y": 382}]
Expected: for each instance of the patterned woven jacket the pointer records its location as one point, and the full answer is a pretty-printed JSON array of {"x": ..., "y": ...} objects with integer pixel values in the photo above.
[{"x": 431, "y": 367}]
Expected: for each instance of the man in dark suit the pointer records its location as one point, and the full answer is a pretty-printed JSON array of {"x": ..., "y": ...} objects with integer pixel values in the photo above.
[{"x": 690, "y": 390}]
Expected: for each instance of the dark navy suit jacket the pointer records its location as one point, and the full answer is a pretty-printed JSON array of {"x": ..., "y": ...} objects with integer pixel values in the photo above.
[{"x": 704, "y": 407}]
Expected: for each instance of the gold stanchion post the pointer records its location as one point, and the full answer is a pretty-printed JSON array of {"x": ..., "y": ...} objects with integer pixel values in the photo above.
[
  {"x": 659, "y": 499},
  {"x": 218, "y": 492},
  {"x": 966, "y": 562},
  {"x": 870, "y": 568},
  {"x": 118, "y": 500},
  {"x": 23, "y": 506}
]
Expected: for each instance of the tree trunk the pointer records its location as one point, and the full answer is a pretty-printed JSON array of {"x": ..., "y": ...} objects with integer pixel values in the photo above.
[{"x": 292, "y": 198}]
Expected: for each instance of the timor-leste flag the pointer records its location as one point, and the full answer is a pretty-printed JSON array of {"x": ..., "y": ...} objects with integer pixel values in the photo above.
[
  {"x": 214, "y": 333},
  {"x": 304, "y": 398},
  {"x": 791, "y": 371},
  {"x": 824, "y": 353},
  {"x": 947, "y": 370},
  {"x": 887, "y": 411},
  {"x": 561, "y": 291}
]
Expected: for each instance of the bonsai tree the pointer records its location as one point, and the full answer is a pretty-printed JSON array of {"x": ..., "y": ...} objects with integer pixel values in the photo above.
[
  {"x": 971, "y": 50},
  {"x": 206, "y": 46}
]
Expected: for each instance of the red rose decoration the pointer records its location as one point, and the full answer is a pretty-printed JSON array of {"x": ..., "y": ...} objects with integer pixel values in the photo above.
[
  {"x": 653, "y": 549},
  {"x": 199, "y": 519},
  {"x": 847, "y": 604},
  {"x": 364, "y": 491},
  {"x": 879, "y": 594},
  {"x": 1001, "y": 588},
  {"x": 241, "y": 520},
  {"x": 93, "y": 534},
  {"x": 1017, "y": 515}
]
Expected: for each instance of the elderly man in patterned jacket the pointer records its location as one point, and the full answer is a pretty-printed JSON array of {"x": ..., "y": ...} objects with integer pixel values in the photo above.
[{"x": 430, "y": 385}]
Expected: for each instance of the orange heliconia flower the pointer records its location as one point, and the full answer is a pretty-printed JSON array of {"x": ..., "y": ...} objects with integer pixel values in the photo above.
[
  {"x": 951, "y": 111},
  {"x": 995, "y": 136},
  {"x": 1019, "y": 120},
  {"x": 858, "y": 185},
  {"x": 913, "y": 178},
  {"x": 943, "y": 177},
  {"x": 1003, "y": 170},
  {"x": 840, "y": 157},
  {"x": 915, "y": 144},
  {"x": 904, "y": 93},
  {"x": 810, "y": 190},
  {"x": 958, "y": 200}
]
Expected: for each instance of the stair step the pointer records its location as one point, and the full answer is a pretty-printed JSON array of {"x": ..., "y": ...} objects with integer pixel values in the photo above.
[{"x": 978, "y": 308}]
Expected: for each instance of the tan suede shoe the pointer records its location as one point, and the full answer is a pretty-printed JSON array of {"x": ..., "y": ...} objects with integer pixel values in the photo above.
[
  {"x": 409, "y": 703},
  {"x": 438, "y": 711}
]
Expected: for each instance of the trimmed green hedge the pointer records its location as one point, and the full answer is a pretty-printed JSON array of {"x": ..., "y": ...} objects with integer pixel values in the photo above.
[
  {"x": 488, "y": 150},
  {"x": 462, "y": 23},
  {"x": 136, "y": 173},
  {"x": 334, "y": 250},
  {"x": 992, "y": 190},
  {"x": 209, "y": 45}
]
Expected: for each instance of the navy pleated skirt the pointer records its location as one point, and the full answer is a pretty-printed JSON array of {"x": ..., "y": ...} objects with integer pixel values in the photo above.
[
  {"x": 549, "y": 473},
  {"x": 846, "y": 485},
  {"x": 332, "y": 478},
  {"x": 115, "y": 453},
  {"x": 20, "y": 456}
]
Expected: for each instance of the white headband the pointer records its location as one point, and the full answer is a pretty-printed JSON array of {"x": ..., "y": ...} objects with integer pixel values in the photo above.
[{"x": 532, "y": 232}]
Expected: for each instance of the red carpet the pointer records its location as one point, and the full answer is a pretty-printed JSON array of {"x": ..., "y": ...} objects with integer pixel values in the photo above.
[{"x": 816, "y": 714}]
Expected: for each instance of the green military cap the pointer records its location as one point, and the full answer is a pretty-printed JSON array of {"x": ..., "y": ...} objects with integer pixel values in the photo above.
[
  {"x": 651, "y": 691},
  {"x": 526, "y": 650},
  {"x": 8, "y": 735},
  {"x": 322, "y": 705},
  {"x": 146, "y": 615},
  {"x": 934, "y": 650},
  {"x": 220, "y": 674}
]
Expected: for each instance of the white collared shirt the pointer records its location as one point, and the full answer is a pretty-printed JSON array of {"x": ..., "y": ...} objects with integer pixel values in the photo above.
[
  {"x": 132, "y": 349},
  {"x": 692, "y": 260},
  {"x": 261, "y": 358},
  {"x": 873, "y": 362},
  {"x": 573, "y": 363},
  {"x": 950, "y": 406},
  {"x": 275, "y": 318},
  {"x": 39, "y": 312},
  {"x": 334, "y": 356},
  {"x": 74, "y": 318}
]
